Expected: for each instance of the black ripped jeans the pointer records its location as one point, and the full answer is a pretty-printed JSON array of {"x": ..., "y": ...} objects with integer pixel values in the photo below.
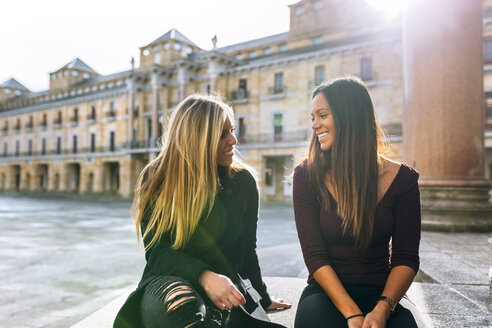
[{"x": 172, "y": 302}]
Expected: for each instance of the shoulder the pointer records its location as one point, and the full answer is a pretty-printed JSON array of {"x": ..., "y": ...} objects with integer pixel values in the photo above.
[
  {"x": 244, "y": 187},
  {"x": 409, "y": 178},
  {"x": 406, "y": 180},
  {"x": 393, "y": 168},
  {"x": 390, "y": 167},
  {"x": 408, "y": 173},
  {"x": 404, "y": 175},
  {"x": 301, "y": 170},
  {"x": 245, "y": 179},
  {"x": 300, "y": 179}
]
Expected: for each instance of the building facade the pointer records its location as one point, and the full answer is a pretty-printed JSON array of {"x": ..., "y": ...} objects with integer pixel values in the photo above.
[{"x": 90, "y": 133}]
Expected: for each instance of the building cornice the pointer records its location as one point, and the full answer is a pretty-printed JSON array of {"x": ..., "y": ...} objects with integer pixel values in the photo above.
[
  {"x": 42, "y": 158},
  {"x": 310, "y": 55},
  {"x": 98, "y": 95},
  {"x": 272, "y": 145}
]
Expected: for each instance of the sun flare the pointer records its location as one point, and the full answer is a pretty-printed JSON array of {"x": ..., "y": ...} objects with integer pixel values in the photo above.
[{"x": 389, "y": 7}]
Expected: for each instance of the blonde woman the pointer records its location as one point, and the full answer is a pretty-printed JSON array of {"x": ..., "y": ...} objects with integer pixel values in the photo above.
[
  {"x": 349, "y": 202},
  {"x": 196, "y": 206}
]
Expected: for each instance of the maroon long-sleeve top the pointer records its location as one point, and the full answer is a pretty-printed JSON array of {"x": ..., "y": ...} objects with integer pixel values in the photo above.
[{"x": 323, "y": 242}]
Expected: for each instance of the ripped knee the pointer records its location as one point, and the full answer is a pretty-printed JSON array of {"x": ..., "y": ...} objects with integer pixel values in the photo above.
[
  {"x": 177, "y": 295},
  {"x": 180, "y": 301}
]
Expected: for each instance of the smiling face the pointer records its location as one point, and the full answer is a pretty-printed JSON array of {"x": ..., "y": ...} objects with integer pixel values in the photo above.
[
  {"x": 225, "y": 149},
  {"x": 323, "y": 124}
]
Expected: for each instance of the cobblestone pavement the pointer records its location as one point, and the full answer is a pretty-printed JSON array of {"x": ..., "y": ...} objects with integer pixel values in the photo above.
[{"x": 63, "y": 258}]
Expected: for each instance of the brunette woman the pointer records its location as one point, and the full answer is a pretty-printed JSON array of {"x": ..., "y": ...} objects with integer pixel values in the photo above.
[{"x": 357, "y": 215}]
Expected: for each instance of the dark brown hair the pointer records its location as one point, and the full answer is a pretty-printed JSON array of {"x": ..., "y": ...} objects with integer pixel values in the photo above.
[{"x": 353, "y": 160}]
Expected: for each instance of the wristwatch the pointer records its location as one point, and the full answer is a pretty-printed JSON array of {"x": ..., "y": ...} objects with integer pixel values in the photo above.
[{"x": 388, "y": 300}]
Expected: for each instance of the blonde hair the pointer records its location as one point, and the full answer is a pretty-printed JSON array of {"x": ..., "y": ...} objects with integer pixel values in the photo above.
[{"x": 179, "y": 186}]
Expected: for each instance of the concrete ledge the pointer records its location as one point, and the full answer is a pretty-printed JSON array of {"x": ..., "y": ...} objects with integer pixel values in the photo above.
[
  {"x": 439, "y": 305},
  {"x": 104, "y": 317},
  {"x": 289, "y": 289}
]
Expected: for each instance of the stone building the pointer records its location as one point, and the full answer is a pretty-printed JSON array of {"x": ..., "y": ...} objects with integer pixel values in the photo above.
[{"x": 90, "y": 133}]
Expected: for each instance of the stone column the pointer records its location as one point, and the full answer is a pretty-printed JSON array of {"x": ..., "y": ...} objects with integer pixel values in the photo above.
[
  {"x": 162, "y": 125},
  {"x": 98, "y": 170},
  {"x": 35, "y": 176},
  {"x": 10, "y": 178},
  {"x": 165, "y": 96},
  {"x": 51, "y": 176},
  {"x": 213, "y": 73},
  {"x": 64, "y": 182},
  {"x": 155, "y": 111},
  {"x": 182, "y": 82},
  {"x": 3, "y": 181},
  {"x": 22, "y": 179},
  {"x": 131, "y": 101},
  {"x": 33, "y": 183},
  {"x": 139, "y": 135},
  {"x": 27, "y": 178},
  {"x": 128, "y": 176},
  {"x": 443, "y": 120}
]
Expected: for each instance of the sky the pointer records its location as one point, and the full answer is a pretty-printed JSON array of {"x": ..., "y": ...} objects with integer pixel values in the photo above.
[{"x": 39, "y": 37}]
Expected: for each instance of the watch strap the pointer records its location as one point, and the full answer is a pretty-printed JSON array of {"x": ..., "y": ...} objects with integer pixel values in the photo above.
[{"x": 388, "y": 300}]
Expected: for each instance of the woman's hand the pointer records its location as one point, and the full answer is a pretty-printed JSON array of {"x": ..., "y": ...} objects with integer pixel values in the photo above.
[
  {"x": 355, "y": 322},
  {"x": 221, "y": 290},
  {"x": 278, "y": 304},
  {"x": 378, "y": 316}
]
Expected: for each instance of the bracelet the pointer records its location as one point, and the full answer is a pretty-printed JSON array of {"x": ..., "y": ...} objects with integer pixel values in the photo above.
[
  {"x": 355, "y": 315},
  {"x": 390, "y": 301}
]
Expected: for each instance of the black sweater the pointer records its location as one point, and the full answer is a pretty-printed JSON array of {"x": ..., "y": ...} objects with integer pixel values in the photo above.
[
  {"x": 323, "y": 242},
  {"x": 224, "y": 242}
]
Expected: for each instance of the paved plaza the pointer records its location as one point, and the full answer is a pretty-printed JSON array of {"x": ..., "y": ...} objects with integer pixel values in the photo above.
[{"x": 63, "y": 258}]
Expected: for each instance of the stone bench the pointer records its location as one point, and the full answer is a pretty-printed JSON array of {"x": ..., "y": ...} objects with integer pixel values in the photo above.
[
  {"x": 439, "y": 306},
  {"x": 288, "y": 288}
]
